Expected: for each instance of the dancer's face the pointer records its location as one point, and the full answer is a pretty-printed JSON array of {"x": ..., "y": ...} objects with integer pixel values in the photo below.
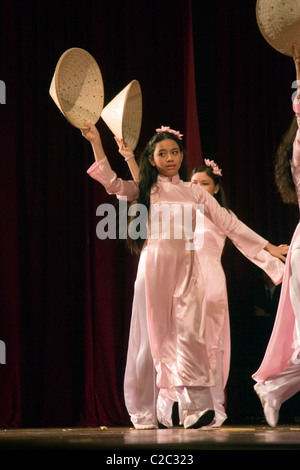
[
  {"x": 167, "y": 158},
  {"x": 206, "y": 182}
]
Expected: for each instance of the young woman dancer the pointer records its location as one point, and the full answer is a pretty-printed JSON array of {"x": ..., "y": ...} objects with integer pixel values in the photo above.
[
  {"x": 208, "y": 176},
  {"x": 173, "y": 278},
  {"x": 217, "y": 332},
  {"x": 140, "y": 379},
  {"x": 278, "y": 377}
]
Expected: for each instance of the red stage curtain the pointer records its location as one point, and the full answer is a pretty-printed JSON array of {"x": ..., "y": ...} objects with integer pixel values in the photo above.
[{"x": 66, "y": 295}]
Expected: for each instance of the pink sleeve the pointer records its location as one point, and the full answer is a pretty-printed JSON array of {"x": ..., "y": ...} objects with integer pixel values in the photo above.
[
  {"x": 240, "y": 234},
  {"x": 273, "y": 266},
  {"x": 103, "y": 173},
  {"x": 244, "y": 237}
]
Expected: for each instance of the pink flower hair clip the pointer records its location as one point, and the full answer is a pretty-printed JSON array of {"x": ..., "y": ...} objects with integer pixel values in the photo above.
[
  {"x": 167, "y": 129},
  {"x": 215, "y": 169}
]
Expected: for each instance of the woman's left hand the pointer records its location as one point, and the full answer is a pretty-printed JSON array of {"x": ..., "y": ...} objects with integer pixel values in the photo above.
[
  {"x": 279, "y": 251},
  {"x": 124, "y": 149}
]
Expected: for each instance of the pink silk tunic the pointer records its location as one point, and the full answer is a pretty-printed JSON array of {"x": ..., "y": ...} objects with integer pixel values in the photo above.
[
  {"x": 174, "y": 280},
  {"x": 217, "y": 312},
  {"x": 283, "y": 340}
]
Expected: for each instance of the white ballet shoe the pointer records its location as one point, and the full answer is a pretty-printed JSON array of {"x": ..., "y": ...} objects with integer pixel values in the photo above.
[
  {"x": 198, "y": 419},
  {"x": 271, "y": 413}
]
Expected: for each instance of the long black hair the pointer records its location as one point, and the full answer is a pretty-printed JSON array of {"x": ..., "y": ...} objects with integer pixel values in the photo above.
[
  {"x": 282, "y": 167},
  {"x": 147, "y": 183}
]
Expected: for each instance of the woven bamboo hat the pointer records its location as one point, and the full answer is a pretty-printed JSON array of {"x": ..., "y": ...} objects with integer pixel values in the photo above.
[
  {"x": 77, "y": 87},
  {"x": 123, "y": 114},
  {"x": 279, "y": 23}
]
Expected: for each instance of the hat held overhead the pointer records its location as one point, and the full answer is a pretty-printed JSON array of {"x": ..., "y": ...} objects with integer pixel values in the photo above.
[
  {"x": 77, "y": 87},
  {"x": 123, "y": 114},
  {"x": 279, "y": 23}
]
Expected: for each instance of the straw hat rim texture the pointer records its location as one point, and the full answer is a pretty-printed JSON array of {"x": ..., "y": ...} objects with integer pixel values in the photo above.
[
  {"x": 77, "y": 87},
  {"x": 279, "y": 23}
]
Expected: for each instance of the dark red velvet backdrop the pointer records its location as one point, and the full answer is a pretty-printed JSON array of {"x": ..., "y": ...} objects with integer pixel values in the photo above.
[{"x": 65, "y": 295}]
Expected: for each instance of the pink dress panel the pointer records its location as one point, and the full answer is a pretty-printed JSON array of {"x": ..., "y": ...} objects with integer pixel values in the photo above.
[
  {"x": 216, "y": 299},
  {"x": 280, "y": 350},
  {"x": 175, "y": 289},
  {"x": 140, "y": 390}
]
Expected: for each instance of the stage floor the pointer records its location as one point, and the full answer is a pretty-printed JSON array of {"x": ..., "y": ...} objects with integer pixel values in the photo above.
[{"x": 175, "y": 440}]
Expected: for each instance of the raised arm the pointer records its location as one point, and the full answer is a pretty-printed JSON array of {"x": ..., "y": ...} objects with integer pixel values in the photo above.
[
  {"x": 101, "y": 170},
  {"x": 129, "y": 157},
  {"x": 92, "y": 135}
]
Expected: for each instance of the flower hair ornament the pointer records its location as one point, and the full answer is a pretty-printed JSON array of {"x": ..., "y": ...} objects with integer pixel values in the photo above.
[
  {"x": 167, "y": 129},
  {"x": 215, "y": 169}
]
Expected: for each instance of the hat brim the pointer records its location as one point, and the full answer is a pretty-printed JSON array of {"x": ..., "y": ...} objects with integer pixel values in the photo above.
[
  {"x": 279, "y": 23},
  {"x": 77, "y": 87}
]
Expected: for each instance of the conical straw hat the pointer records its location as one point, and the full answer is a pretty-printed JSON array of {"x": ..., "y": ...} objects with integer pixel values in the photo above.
[
  {"x": 123, "y": 114},
  {"x": 77, "y": 87},
  {"x": 279, "y": 23}
]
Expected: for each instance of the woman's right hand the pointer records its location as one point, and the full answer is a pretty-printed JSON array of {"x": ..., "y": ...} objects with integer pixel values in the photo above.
[{"x": 90, "y": 132}]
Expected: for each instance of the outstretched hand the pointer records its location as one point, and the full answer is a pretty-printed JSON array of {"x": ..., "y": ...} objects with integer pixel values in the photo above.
[
  {"x": 124, "y": 149},
  {"x": 279, "y": 251}
]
